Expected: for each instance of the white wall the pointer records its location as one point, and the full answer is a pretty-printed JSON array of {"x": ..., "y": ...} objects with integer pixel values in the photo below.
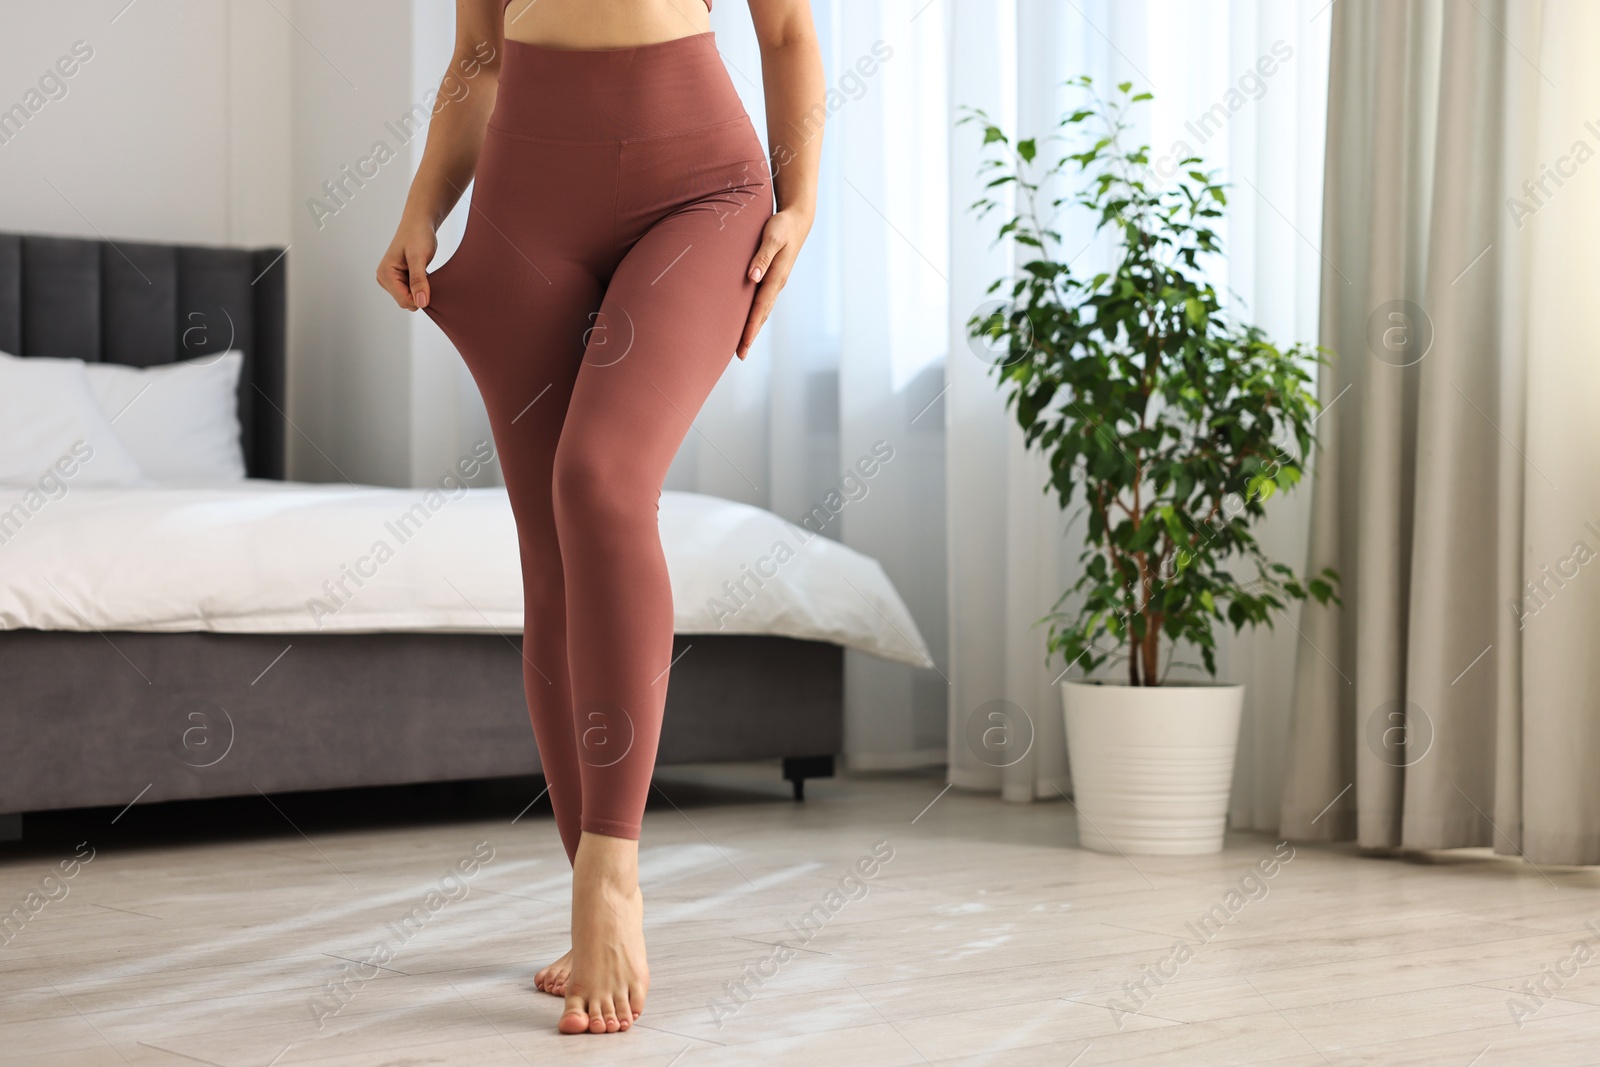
[
  {"x": 351, "y": 375},
  {"x": 175, "y": 130},
  {"x": 215, "y": 122},
  {"x": 447, "y": 415}
]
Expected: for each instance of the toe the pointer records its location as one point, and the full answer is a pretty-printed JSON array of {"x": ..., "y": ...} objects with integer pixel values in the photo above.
[
  {"x": 597, "y": 1017},
  {"x": 608, "y": 1012},
  {"x": 575, "y": 1019},
  {"x": 625, "y": 1013}
]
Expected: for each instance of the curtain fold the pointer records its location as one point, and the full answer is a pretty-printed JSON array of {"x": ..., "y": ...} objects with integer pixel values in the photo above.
[
  {"x": 1455, "y": 407},
  {"x": 1560, "y": 229}
]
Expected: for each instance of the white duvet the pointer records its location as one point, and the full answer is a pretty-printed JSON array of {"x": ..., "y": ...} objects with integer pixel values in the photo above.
[{"x": 275, "y": 557}]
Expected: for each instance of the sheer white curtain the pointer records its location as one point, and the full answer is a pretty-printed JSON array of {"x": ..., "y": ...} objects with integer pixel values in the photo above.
[
  {"x": 853, "y": 358},
  {"x": 869, "y": 342},
  {"x": 1242, "y": 83}
]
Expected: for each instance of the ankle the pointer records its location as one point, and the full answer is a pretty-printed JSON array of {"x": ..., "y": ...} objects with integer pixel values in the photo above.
[{"x": 610, "y": 861}]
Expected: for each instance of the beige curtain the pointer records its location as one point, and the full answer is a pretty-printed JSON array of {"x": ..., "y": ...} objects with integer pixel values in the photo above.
[{"x": 1454, "y": 699}]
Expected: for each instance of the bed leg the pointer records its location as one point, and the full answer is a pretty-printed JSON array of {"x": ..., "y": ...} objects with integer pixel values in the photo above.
[
  {"x": 798, "y": 768},
  {"x": 11, "y": 827}
]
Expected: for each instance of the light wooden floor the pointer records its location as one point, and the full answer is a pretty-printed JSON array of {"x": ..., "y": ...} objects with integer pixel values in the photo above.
[{"x": 201, "y": 934}]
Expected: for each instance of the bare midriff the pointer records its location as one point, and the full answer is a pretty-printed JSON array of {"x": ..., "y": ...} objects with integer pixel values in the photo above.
[{"x": 596, "y": 24}]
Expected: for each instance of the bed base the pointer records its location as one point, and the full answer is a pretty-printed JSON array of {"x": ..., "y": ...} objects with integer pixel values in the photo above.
[{"x": 102, "y": 719}]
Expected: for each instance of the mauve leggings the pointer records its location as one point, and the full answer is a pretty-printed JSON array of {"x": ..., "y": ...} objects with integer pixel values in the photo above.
[{"x": 599, "y": 292}]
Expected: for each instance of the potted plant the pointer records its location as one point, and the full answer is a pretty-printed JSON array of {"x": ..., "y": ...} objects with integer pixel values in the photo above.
[{"x": 1170, "y": 424}]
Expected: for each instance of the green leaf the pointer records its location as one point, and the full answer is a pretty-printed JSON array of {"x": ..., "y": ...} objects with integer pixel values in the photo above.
[{"x": 1151, "y": 402}]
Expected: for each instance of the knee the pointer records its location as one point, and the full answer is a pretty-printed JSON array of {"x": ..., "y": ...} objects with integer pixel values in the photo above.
[
  {"x": 543, "y": 587},
  {"x": 596, "y": 490}
]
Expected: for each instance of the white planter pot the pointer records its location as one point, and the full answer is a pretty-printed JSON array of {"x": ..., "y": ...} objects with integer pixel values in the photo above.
[{"x": 1152, "y": 766}]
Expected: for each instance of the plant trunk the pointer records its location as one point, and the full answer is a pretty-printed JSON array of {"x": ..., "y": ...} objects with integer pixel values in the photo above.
[
  {"x": 1133, "y": 656},
  {"x": 1152, "y": 656}
]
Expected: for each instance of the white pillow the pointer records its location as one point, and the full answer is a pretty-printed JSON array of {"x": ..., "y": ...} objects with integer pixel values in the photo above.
[
  {"x": 180, "y": 420},
  {"x": 49, "y": 419}
]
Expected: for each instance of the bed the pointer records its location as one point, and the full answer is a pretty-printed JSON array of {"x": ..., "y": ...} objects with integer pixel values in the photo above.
[{"x": 170, "y": 642}]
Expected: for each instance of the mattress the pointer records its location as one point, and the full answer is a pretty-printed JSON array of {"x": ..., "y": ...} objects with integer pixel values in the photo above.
[{"x": 285, "y": 557}]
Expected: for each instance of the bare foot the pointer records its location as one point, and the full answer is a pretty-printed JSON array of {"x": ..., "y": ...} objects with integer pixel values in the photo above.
[
  {"x": 553, "y": 979},
  {"x": 606, "y": 988}
]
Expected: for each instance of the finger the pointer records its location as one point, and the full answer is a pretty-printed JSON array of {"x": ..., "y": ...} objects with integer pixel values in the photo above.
[
  {"x": 392, "y": 280},
  {"x": 751, "y": 328},
  {"x": 776, "y": 270},
  {"x": 771, "y": 245},
  {"x": 746, "y": 339},
  {"x": 752, "y": 325},
  {"x": 777, "y": 277},
  {"x": 417, "y": 268},
  {"x": 761, "y": 313}
]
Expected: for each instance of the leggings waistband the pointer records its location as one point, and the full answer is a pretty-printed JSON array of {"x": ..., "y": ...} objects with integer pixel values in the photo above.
[{"x": 618, "y": 94}]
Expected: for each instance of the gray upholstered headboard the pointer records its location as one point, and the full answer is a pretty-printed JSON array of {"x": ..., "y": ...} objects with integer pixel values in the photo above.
[{"x": 145, "y": 304}]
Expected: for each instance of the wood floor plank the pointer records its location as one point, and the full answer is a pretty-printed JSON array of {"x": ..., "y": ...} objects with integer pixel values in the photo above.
[{"x": 987, "y": 938}]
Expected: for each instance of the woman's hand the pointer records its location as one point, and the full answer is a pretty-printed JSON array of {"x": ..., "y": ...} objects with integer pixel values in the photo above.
[
  {"x": 780, "y": 243},
  {"x": 403, "y": 273}
]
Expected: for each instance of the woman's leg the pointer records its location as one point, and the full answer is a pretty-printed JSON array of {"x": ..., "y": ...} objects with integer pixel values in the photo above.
[
  {"x": 524, "y": 351},
  {"x": 638, "y": 167},
  {"x": 521, "y": 329},
  {"x": 671, "y": 318}
]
